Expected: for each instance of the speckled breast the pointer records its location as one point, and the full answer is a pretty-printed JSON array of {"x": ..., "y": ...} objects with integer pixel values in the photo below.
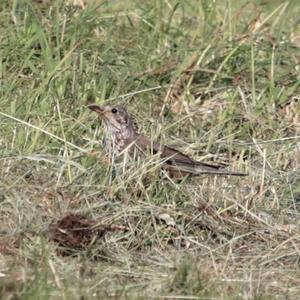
[{"x": 114, "y": 142}]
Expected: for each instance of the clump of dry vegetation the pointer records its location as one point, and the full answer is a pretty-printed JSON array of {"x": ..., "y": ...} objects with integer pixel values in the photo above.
[
  {"x": 77, "y": 232},
  {"x": 219, "y": 81}
]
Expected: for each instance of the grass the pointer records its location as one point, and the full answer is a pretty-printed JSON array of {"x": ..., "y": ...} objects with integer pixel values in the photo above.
[{"x": 217, "y": 79}]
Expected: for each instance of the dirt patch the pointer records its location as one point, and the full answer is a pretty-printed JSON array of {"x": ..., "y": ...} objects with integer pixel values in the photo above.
[{"x": 77, "y": 232}]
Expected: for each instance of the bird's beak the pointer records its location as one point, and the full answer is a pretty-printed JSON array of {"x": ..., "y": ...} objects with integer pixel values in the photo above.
[{"x": 98, "y": 109}]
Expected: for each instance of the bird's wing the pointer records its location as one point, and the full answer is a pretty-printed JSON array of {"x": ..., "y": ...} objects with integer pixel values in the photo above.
[
  {"x": 177, "y": 157},
  {"x": 167, "y": 153},
  {"x": 182, "y": 162}
]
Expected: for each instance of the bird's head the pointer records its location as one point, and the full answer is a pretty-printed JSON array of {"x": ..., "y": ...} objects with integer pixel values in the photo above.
[{"x": 115, "y": 116}]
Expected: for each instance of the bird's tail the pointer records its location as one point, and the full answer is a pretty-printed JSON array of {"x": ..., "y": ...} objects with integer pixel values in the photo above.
[{"x": 198, "y": 168}]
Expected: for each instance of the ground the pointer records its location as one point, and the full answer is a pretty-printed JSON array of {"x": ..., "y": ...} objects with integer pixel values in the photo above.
[{"x": 218, "y": 80}]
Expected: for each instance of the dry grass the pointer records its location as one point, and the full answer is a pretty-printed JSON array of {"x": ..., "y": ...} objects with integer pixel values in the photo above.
[{"x": 220, "y": 82}]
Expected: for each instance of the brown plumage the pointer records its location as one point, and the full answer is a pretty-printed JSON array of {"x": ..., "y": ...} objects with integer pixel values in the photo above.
[{"x": 120, "y": 133}]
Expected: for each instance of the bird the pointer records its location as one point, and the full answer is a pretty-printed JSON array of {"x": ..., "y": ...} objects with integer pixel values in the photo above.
[{"x": 120, "y": 134}]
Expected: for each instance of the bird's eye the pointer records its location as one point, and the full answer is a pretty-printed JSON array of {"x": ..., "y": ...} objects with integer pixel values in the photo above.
[{"x": 114, "y": 110}]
